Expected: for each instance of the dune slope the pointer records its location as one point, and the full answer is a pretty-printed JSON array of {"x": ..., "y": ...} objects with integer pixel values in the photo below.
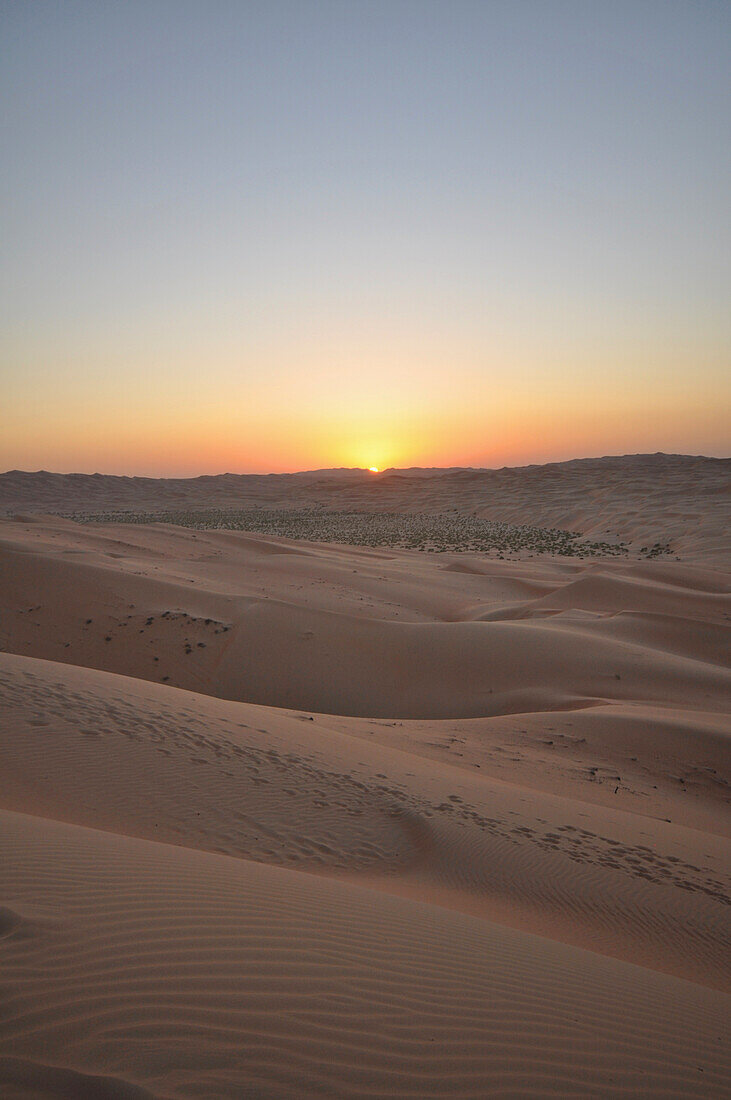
[{"x": 184, "y": 974}]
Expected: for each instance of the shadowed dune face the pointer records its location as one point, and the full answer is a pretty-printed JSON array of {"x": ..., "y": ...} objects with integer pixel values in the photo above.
[{"x": 283, "y": 818}]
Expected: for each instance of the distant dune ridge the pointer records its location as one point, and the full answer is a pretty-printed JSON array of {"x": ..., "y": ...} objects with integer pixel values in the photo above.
[
  {"x": 282, "y": 818},
  {"x": 677, "y": 498}
]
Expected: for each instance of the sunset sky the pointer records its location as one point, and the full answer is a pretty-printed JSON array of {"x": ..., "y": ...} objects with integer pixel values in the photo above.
[{"x": 288, "y": 235}]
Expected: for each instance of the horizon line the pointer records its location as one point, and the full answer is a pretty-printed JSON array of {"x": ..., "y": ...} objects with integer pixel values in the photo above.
[{"x": 365, "y": 469}]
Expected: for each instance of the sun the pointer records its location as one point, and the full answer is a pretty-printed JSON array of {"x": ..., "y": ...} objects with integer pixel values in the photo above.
[{"x": 373, "y": 469}]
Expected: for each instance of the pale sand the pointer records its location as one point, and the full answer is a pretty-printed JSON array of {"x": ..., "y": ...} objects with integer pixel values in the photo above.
[{"x": 374, "y": 822}]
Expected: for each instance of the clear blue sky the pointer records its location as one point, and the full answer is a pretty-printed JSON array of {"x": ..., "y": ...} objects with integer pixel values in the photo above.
[{"x": 278, "y": 235}]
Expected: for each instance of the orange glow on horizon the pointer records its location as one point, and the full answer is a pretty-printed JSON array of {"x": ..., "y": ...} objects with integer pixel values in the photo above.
[
  {"x": 327, "y": 277},
  {"x": 168, "y": 432}
]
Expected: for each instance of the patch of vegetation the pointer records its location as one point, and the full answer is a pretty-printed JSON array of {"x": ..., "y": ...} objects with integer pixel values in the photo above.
[
  {"x": 426, "y": 532},
  {"x": 657, "y": 550}
]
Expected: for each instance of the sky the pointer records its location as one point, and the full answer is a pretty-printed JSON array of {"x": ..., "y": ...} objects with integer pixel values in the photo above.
[{"x": 247, "y": 237}]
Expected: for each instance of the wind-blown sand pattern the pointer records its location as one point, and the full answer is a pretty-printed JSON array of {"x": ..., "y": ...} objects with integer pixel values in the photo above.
[{"x": 286, "y": 818}]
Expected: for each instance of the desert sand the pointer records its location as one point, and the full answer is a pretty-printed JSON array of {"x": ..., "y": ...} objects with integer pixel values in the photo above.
[{"x": 295, "y": 817}]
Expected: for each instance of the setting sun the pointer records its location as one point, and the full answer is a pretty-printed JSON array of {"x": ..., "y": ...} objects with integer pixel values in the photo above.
[{"x": 254, "y": 246}]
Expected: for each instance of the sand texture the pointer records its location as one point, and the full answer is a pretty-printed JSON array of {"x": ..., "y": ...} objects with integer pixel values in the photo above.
[{"x": 291, "y": 818}]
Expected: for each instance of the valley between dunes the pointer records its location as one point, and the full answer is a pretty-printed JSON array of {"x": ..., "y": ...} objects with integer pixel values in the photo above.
[{"x": 284, "y": 818}]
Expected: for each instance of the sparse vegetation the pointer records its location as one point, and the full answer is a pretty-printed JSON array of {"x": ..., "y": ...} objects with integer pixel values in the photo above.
[
  {"x": 657, "y": 550},
  {"x": 431, "y": 533}
]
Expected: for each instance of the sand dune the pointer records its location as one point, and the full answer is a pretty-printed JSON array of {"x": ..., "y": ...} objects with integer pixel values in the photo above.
[
  {"x": 229, "y": 617},
  {"x": 677, "y": 500},
  {"x": 289, "y": 819},
  {"x": 180, "y": 973},
  {"x": 266, "y": 784}
]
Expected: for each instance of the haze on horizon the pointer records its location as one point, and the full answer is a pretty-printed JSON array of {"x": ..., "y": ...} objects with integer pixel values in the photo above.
[{"x": 274, "y": 236}]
